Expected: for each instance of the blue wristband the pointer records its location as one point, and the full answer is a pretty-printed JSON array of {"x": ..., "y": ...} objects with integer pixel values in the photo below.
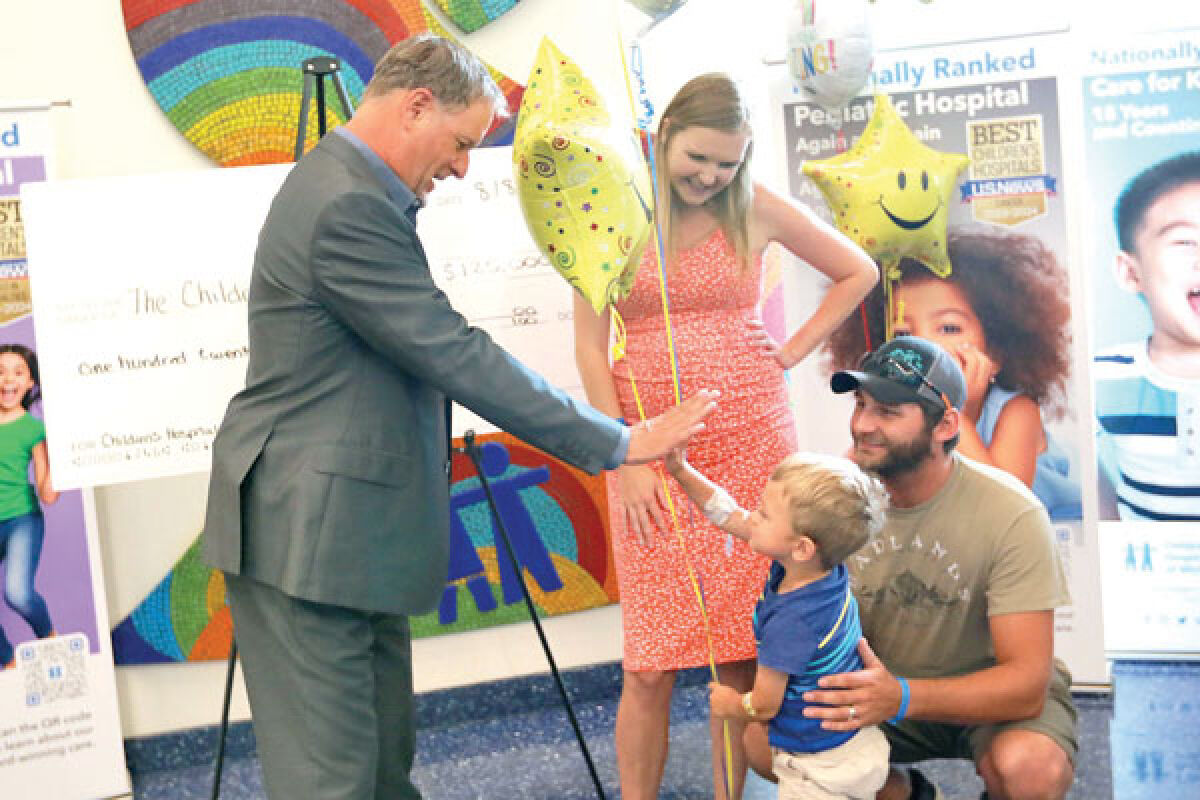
[
  {"x": 622, "y": 421},
  {"x": 905, "y": 696}
]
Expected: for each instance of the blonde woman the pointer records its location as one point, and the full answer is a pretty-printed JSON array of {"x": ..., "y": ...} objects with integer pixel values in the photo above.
[{"x": 716, "y": 224}]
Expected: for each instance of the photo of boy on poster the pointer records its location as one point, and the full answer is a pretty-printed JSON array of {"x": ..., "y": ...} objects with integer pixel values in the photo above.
[
  {"x": 1147, "y": 387},
  {"x": 1144, "y": 228}
]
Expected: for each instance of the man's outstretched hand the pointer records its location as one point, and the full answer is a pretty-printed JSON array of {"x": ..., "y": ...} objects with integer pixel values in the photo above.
[{"x": 652, "y": 439}]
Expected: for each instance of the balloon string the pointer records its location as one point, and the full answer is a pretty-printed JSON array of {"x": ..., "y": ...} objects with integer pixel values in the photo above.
[
  {"x": 646, "y": 117},
  {"x": 622, "y": 337},
  {"x": 643, "y": 124},
  {"x": 644, "y": 120},
  {"x": 862, "y": 310}
]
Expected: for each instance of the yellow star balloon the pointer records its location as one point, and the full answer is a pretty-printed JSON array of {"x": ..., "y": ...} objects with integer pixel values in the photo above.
[
  {"x": 583, "y": 185},
  {"x": 890, "y": 192}
]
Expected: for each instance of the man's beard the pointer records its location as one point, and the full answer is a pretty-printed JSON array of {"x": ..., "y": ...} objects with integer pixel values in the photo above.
[{"x": 901, "y": 459}]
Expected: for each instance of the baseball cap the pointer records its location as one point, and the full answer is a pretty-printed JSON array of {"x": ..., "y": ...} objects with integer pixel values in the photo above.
[{"x": 906, "y": 369}]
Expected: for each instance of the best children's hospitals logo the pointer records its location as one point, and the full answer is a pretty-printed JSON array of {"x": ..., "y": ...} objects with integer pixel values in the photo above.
[{"x": 1008, "y": 184}]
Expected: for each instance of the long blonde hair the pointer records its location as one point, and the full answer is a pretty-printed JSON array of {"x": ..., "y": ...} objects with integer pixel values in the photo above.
[{"x": 710, "y": 101}]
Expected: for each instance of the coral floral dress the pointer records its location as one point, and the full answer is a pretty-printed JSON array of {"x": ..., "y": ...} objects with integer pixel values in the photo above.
[{"x": 751, "y": 430}]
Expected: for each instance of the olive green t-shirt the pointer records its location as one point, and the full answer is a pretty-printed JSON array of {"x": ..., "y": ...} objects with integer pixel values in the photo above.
[
  {"x": 928, "y": 583},
  {"x": 17, "y": 438}
]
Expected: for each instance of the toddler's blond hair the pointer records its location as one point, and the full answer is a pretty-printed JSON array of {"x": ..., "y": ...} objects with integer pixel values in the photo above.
[{"x": 833, "y": 502}]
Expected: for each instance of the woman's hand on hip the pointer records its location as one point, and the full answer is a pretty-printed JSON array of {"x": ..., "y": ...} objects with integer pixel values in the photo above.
[{"x": 764, "y": 343}]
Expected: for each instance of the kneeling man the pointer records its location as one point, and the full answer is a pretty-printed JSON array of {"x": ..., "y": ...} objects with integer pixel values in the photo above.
[{"x": 956, "y": 595}]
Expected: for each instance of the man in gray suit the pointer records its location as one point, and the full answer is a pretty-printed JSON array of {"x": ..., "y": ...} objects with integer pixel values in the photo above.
[{"x": 328, "y": 507}]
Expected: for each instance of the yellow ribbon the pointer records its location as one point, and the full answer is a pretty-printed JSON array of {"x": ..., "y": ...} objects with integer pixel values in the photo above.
[{"x": 619, "y": 353}]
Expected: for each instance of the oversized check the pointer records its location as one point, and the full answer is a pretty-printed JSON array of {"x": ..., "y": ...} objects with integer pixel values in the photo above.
[{"x": 139, "y": 290}]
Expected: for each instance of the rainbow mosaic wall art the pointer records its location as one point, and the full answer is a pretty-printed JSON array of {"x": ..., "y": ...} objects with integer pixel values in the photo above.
[
  {"x": 471, "y": 15},
  {"x": 184, "y": 618},
  {"x": 556, "y": 516},
  {"x": 227, "y": 72}
]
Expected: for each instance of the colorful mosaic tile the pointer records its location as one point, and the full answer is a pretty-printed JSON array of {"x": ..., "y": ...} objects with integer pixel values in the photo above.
[
  {"x": 471, "y": 15},
  {"x": 556, "y": 516},
  {"x": 227, "y": 72}
]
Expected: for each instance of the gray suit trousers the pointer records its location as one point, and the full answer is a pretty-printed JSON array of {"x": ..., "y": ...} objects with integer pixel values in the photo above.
[{"x": 331, "y": 689}]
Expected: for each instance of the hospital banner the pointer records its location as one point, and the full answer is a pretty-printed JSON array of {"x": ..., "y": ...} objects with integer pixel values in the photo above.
[
  {"x": 997, "y": 103},
  {"x": 1141, "y": 127},
  {"x": 60, "y": 735}
]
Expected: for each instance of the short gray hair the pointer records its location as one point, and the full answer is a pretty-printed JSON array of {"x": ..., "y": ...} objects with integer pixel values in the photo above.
[
  {"x": 447, "y": 69},
  {"x": 833, "y": 502}
]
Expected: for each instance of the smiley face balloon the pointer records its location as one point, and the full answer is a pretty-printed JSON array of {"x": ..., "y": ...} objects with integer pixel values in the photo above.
[
  {"x": 890, "y": 192},
  {"x": 583, "y": 184}
]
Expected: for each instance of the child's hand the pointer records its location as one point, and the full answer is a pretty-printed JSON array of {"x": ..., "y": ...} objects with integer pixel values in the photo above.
[
  {"x": 724, "y": 701},
  {"x": 979, "y": 371},
  {"x": 675, "y": 461}
]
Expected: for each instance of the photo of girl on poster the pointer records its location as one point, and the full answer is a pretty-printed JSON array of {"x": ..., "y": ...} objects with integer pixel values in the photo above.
[{"x": 22, "y": 526}]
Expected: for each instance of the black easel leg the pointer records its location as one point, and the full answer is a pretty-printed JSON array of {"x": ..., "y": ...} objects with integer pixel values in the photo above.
[
  {"x": 472, "y": 451},
  {"x": 218, "y": 761}
]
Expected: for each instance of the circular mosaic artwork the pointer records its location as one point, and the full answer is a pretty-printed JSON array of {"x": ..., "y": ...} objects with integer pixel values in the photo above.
[
  {"x": 227, "y": 72},
  {"x": 471, "y": 15}
]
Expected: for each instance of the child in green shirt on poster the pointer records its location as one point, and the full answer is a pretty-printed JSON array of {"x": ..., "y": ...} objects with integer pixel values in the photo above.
[{"x": 22, "y": 440}]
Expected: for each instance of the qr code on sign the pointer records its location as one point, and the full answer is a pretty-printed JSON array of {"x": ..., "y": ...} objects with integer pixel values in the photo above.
[{"x": 54, "y": 669}]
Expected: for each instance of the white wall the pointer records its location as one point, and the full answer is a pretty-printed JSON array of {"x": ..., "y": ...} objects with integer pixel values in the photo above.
[{"x": 77, "y": 51}]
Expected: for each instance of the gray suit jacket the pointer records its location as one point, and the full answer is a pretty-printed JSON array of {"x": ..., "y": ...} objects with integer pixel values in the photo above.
[{"x": 328, "y": 477}]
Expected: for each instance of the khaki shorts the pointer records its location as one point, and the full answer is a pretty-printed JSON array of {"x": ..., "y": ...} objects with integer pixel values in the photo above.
[
  {"x": 917, "y": 740},
  {"x": 857, "y": 768}
]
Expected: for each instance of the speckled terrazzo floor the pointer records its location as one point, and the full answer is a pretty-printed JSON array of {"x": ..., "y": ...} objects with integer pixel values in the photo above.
[{"x": 512, "y": 740}]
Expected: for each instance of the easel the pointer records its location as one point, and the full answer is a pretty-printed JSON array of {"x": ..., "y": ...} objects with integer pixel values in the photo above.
[
  {"x": 472, "y": 450},
  {"x": 314, "y": 70}
]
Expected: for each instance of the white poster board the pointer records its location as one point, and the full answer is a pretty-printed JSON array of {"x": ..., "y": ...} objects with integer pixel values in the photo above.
[
  {"x": 143, "y": 335},
  {"x": 142, "y": 321},
  {"x": 483, "y": 258}
]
